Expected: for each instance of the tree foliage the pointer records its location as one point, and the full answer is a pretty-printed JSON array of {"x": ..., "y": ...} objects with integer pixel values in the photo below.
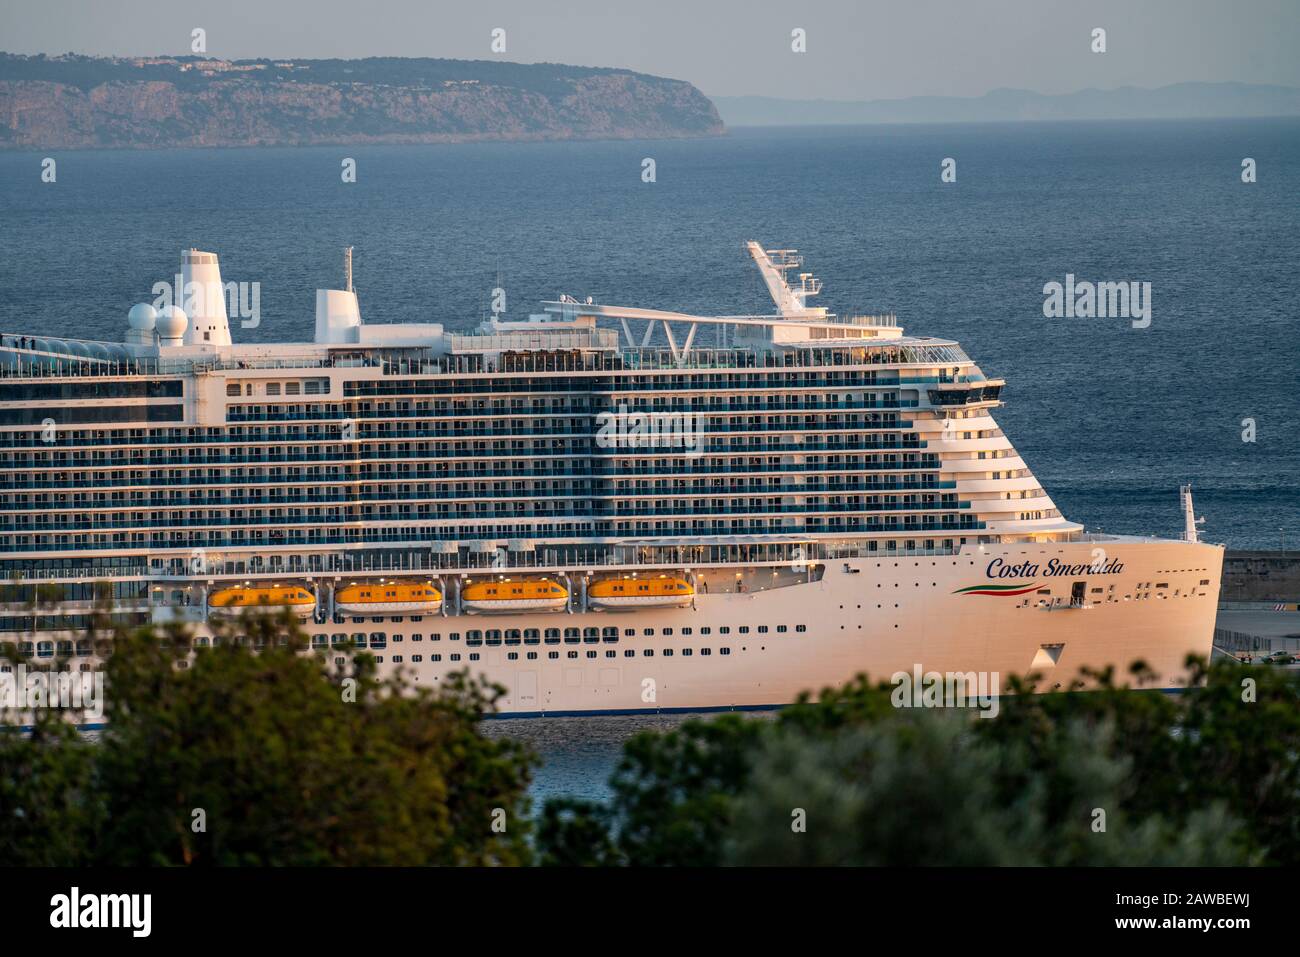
[
  {"x": 1111, "y": 776},
  {"x": 266, "y": 758}
]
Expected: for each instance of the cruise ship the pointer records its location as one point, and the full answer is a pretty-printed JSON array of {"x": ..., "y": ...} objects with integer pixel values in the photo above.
[{"x": 603, "y": 509}]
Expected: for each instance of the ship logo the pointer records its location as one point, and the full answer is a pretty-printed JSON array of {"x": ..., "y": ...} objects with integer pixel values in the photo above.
[{"x": 1003, "y": 590}]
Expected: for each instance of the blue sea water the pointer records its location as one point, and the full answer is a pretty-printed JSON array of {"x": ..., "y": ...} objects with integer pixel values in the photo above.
[{"x": 1111, "y": 418}]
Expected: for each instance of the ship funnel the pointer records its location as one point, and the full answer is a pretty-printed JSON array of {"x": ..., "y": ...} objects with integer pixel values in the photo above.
[
  {"x": 203, "y": 297},
  {"x": 338, "y": 314}
]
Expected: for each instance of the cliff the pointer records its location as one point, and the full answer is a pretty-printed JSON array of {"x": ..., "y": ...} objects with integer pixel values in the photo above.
[{"x": 74, "y": 102}]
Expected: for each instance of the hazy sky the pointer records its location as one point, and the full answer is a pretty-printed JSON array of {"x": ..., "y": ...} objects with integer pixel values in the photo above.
[{"x": 856, "y": 49}]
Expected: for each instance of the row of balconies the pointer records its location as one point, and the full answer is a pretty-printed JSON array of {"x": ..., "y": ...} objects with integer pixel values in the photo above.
[
  {"x": 79, "y": 501},
  {"x": 701, "y": 509},
  {"x": 406, "y": 536}
]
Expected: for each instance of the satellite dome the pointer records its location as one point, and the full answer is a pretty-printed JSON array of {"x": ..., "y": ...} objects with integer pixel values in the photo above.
[
  {"x": 142, "y": 317},
  {"x": 171, "y": 322}
]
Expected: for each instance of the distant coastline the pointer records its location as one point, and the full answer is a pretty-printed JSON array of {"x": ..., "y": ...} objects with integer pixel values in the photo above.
[
  {"x": 77, "y": 102},
  {"x": 1177, "y": 101}
]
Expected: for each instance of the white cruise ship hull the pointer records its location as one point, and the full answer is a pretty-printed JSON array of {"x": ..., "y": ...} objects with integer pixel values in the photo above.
[{"x": 879, "y": 617}]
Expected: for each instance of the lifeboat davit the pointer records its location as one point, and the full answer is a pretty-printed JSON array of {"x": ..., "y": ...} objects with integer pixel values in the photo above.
[
  {"x": 666, "y": 591},
  {"x": 270, "y": 598},
  {"x": 389, "y": 598},
  {"x": 515, "y": 596}
]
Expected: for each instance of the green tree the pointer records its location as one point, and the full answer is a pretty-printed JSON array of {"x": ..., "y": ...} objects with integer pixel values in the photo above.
[
  {"x": 269, "y": 757},
  {"x": 1113, "y": 775}
]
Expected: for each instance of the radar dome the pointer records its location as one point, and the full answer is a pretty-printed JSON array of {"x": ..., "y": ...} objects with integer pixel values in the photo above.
[
  {"x": 171, "y": 322},
  {"x": 142, "y": 317}
]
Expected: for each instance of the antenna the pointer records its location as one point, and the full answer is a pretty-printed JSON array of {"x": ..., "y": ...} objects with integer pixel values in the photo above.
[{"x": 347, "y": 268}]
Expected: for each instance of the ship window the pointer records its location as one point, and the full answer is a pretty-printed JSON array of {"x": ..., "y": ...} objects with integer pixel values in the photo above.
[
  {"x": 397, "y": 659},
  {"x": 609, "y": 634},
  {"x": 571, "y": 654},
  {"x": 417, "y": 637},
  {"x": 513, "y": 636},
  {"x": 687, "y": 652},
  {"x": 610, "y": 654},
  {"x": 686, "y": 631},
  {"x": 781, "y": 629},
  {"x": 232, "y": 388},
  {"x": 451, "y": 636},
  {"x": 494, "y": 636},
  {"x": 591, "y": 636},
  {"x": 668, "y": 652},
  {"x": 743, "y": 629},
  {"x": 377, "y": 639},
  {"x": 706, "y": 630},
  {"x": 532, "y": 636},
  {"x": 629, "y": 632},
  {"x": 724, "y": 630},
  {"x": 705, "y": 651},
  {"x": 801, "y": 628},
  {"x": 724, "y": 651},
  {"x": 667, "y": 631},
  {"x": 762, "y": 629},
  {"x": 416, "y": 659},
  {"x": 359, "y": 639},
  {"x": 473, "y": 656},
  {"x": 552, "y": 655},
  {"x": 435, "y": 657},
  {"x": 629, "y": 653},
  {"x": 552, "y": 636},
  {"x": 649, "y": 632},
  {"x": 273, "y": 388},
  {"x": 649, "y": 653},
  {"x": 572, "y": 636},
  {"x": 397, "y": 638},
  {"x": 512, "y": 656},
  {"x": 455, "y": 657}
]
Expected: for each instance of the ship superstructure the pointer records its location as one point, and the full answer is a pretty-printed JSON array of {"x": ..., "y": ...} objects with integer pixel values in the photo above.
[{"x": 602, "y": 508}]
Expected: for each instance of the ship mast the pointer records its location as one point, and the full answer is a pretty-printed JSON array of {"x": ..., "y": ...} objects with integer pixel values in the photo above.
[
  {"x": 1190, "y": 521},
  {"x": 774, "y": 264}
]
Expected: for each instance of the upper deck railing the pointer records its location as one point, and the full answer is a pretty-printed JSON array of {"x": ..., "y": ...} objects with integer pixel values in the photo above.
[{"x": 21, "y": 364}]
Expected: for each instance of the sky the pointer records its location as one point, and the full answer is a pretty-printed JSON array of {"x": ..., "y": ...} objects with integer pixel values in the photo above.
[{"x": 855, "y": 49}]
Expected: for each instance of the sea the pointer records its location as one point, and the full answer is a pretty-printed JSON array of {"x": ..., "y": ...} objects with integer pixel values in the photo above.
[{"x": 1112, "y": 415}]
